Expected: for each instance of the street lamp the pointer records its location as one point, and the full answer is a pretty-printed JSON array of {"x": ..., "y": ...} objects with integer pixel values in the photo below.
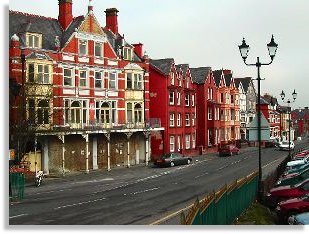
[
  {"x": 244, "y": 50},
  {"x": 294, "y": 95}
]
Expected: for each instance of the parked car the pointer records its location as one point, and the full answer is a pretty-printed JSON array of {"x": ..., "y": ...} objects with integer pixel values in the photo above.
[
  {"x": 291, "y": 207},
  {"x": 299, "y": 219},
  {"x": 172, "y": 159},
  {"x": 278, "y": 194},
  {"x": 302, "y": 153},
  {"x": 300, "y": 156},
  {"x": 293, "y": 179},
  {"x": 296, "y": 164},
  {"x": 228, "y": 150},
  {"x": 295, "y": 170},
  {"x": 284, "y": 145}
]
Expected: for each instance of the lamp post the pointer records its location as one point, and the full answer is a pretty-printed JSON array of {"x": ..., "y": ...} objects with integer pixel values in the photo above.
[
  {"x": 294, "y": 95},
  {"x": 272, "y": 49}
]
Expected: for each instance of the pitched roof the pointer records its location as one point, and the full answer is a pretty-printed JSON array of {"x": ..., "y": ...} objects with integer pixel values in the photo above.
[
  {"x": 50, "y": 28},
  {"x": 263, "y": 101},
  {"x": 270, "y": 99},
  {"x": 200, "y": 74},
  {"x": 228, "y": 79},
  {"x": 163, "y": 65},
  {"x": 217, "y": 76},
  {"x": 23, "y": 22},
  {"x": 245, "y": 81}
]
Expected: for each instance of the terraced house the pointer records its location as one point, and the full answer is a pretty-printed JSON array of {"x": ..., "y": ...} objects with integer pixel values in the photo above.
[
  {"x": 173, "y": 101},
  {"x": 83, "y": 90},
  {"x": 229, "y": 112}
]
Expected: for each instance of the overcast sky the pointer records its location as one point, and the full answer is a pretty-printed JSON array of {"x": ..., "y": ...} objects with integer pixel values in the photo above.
[{"x": 208, "y": 32}]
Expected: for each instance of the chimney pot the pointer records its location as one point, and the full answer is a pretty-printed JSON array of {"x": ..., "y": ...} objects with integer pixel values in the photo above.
[
  {"x": 112, "y": 19},
  {"x": 65, "y": 16}
]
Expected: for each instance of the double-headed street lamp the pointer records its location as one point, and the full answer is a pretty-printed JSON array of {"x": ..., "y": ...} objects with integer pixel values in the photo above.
[
  {"x": 294, "y": 95},
  {"x": 272, "y": 49}
]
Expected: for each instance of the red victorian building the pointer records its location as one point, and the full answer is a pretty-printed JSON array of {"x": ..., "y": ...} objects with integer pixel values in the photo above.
[
  {"x": 79, "y": 92},
  {"x": 208, "y": 124},
  {"x": 173, "y": 100}
]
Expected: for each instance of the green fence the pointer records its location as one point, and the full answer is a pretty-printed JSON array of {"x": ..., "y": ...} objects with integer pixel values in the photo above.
[
  {"x": 16, "y": 185},
  {"x": 225, "y": 205}
]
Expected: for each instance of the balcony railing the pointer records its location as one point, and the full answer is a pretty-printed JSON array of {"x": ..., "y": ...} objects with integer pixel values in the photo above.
[{"x": 98, "y": 125}]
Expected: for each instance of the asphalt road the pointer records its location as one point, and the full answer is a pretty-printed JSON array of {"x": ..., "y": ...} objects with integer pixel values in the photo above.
[{"x": 138, "y": 195}]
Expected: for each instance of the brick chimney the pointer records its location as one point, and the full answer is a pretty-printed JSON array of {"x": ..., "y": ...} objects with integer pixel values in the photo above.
[
  {"x": 112, "y": 19},
  {"x": 138, "y": 49},
  {"x": 65, "y": 16}
]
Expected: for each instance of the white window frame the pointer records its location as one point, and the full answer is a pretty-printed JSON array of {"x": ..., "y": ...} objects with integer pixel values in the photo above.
[
  {"x": 187, "y": 99},
  {"x": 83, "y": 78},
  {"x": 172, "y": 75},
  {"x": 179, "y": 143},
  {"x": 193, "y": 140},
  {"x": 101, "y": 80},
  {"x": 178, "y": 119},
  {"x": 178, "y": 98},
  {"x": 127, "y": 53},
  {"x": 71, "y": 77},
  {"x": 209, "y": 111},
  {"x": 84, "y": 43},
  {"x": 172, "y": 143},
  {"x": 101, "y": 47},
  {"x": 171, "y": 97},
  {"x": 172, "y": 120},
  {"x": 110, "y": 80},
  {"x": 188, "y": 145},
  {"x": 193, "y": 100},
  {"x": 193, "y": 119},
  {"x": 34, "y": 40},
  {"x": 187, "y": 119}
]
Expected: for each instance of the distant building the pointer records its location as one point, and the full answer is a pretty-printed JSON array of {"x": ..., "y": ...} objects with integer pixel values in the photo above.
[
  {"x": 247, "y": 104},
  {"x": 300, "y": 120}
]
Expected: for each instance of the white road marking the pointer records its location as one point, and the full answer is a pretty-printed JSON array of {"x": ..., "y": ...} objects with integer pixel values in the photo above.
[
  {"x": 16, "y": 216},
  {"x": 93, "y": 181},
  {"x": 52, "y": 191},
  {"x": 272, "y": 162},
  {"x": 143, "y": 191},
  {"x": 80, "y": 203}
]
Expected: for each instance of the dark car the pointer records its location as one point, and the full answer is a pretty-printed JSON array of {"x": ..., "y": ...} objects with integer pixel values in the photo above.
[
  {"x": 292, "y": 179},
  {"x": 172, "y": 159},
  {"x": 228, "y": 150},
  {"x": 278, "y": 194},
  {"x": 291, "y": 207}
]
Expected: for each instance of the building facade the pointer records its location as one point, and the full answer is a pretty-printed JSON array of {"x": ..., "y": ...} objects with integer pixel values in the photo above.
[
  {"x": 83, "y": 89},
  {"x": 247, "y": 104},
  {"x": 173, "y": 101}
]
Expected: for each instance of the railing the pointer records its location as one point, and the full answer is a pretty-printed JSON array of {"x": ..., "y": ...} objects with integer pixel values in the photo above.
[
  {"x": 97, "y": 125},
  {"x": 224, "y": 206}
]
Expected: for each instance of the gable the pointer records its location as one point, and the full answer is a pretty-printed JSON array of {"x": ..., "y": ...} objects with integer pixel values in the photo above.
[{"x": 91, "y": 25}]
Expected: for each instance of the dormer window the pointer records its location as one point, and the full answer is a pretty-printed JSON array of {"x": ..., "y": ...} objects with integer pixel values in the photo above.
[
  {"x": 98, "y": 49},
  {"x": 127, "y": 53},
  {"x": 82, "y": 46},
  {"x": 34, "y": 40}
]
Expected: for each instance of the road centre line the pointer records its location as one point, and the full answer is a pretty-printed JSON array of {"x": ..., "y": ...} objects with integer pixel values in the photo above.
[
  {"x": 16, "y": 216},
  {"x": 272, "y": 162},
  {"x": 80, "y": 203},
  {"x": 206, "y": 173},
  {"x": 143, "y": 191}
]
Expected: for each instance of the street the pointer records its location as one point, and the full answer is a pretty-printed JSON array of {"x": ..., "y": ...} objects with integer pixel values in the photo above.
[{"x": 138, "y": 195}]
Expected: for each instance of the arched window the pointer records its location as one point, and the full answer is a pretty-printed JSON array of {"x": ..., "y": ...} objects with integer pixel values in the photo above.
[
  {"x": 75, "y": 112},
  {"x": 43, "y": 112},
  {"x": 105, "y": 113},
  {"x": 138, "y": 113}
]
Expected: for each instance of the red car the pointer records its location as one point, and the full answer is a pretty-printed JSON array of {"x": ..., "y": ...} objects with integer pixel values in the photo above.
[
  {"x": 278, "y": 194},
  {"x": 302, "y": 154},
  {"x": 228, "y": 150},
  {"x": 291, "y": 207}
]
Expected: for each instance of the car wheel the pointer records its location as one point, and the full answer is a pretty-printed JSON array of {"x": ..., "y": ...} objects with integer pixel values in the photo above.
[
  {"x": 172, "y": 164},
  {"x": 189, "y": 161}
]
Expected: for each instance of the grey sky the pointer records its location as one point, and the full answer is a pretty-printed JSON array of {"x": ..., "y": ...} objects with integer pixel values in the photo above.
[{"x": 208, "y": 32}]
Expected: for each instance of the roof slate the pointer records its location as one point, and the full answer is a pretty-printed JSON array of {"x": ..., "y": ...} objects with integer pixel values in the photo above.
[
  {"x": 200, "y": 74},
  {"x": 217, "y": 76},
  {"x": 245, "y": 81},
  {"x": 163, "y": 65}
]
